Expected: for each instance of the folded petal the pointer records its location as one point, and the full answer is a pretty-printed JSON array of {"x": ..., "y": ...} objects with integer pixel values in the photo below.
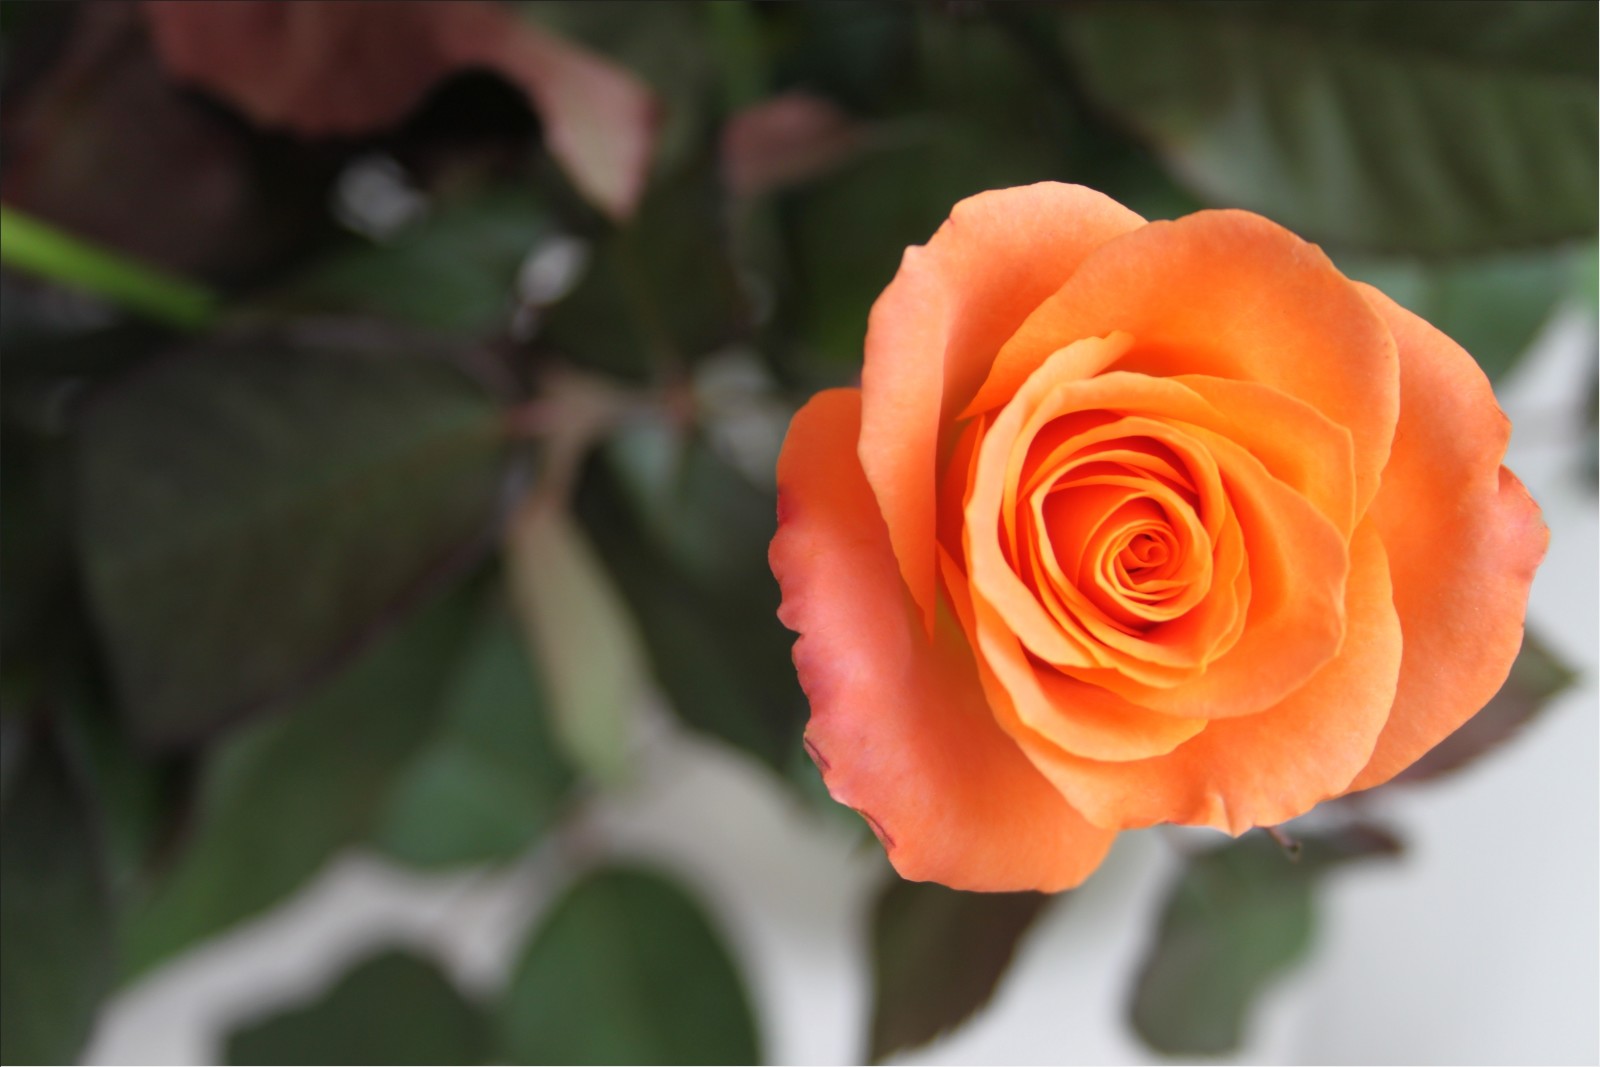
[
  {"x": 1463, "y": 539},
  {"x": 1228, "y": 294},
  {"x": 935, "y": 330},
  {"x": 900, "y": 726},
  {"x": 1262, "y": 769}
]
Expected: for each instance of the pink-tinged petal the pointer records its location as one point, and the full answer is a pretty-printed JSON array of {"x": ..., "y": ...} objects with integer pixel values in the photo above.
[
  {"x": 1463, "y": 538},
  {"x": 899, "y": 723}
]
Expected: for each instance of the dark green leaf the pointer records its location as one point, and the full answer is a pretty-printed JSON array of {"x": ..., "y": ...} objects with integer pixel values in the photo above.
[
  {"x": 282, "y": 796},
  {"x": 686, "y": 536},
  {"x": 1493, "y": 306},
  {"x": 35, "y": 550},
  {"x": 492, "y": 779},
  {"x": 661, "y": 291},
  {"x": 994, "y": 124},
  {"x": 627, "y": 969},
  {"x": 1237, "y": 916},
  {"x": 1428, "y": 128},
  {"x": 55, "y": 911},
  {"x": 937, "y": 955},
  {"x": 393, "y": 1008},
  {"x": 251, "y": 515},
  {"x": 453, "y": 271},
  {"x": 1536, "y": 677}
]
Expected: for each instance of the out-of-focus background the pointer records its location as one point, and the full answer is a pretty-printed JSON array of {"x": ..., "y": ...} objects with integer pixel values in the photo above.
[{"x": 388, "y": 669}]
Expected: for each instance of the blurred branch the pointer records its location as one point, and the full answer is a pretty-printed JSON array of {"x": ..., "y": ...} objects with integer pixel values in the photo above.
[{"x": 35, "y": 247}]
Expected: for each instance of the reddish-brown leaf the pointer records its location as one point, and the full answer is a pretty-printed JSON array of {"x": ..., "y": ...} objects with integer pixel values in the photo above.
[
  {"x": 784, "y": 141},
  {"x": 327, "y": 68}
]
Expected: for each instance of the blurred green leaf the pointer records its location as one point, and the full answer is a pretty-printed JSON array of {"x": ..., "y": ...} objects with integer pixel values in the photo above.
[
  {"x": 35, "y": 549},
  {"x": 660, "y": 292},
  {"x": 1237, "y": 916},
  {"x": 937, "y": 956},
  {"x": 491, "y": 780},
  {"x": 986, "y": 118},
  {"x": 391, "y": 1008},
  {"x": 1536, "y": 678},
  {"x": 685, "y": 536},
  {"x": 626, "y": 969},
  {"x": 581, "y": 636},
  {"x": 281, "y": 797},
  {"x": 862, "y": 54},
  {"x": 1428, "y": 128},
  {"x": 454, "y": 271},
  {"x": 1493, "y": 306},
  {"x": 55, "y": 910},
  {"x": 251, "y": 515}
]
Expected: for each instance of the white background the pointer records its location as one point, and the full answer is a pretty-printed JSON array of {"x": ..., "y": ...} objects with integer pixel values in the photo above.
[{"x": 1482, "y": 945}]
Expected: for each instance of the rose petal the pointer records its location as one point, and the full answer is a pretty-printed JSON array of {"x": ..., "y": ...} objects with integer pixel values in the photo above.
[
  {"x": 1297, "y": 559},
  {"x": 1463, "y": 539},
  {"x": 1292, "y": 439},
  {"x": 1263, "y": 769},
  {"x": 935, "y": 331},
  {"x": 899, "y": 724},
  {"x": 1080, "y": 719},
  {"x": 1228, "y": 294}
]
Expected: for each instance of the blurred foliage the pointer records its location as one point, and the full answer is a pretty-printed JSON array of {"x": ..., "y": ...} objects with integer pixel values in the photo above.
[
  {"x": 492, "y": 779},
  {"x": 626, "y": 969},
  {"x": 393, "y": 1008},
  {"x": 362, "y": 467},
  {"x": 937, "y": 955},
  {"x": 55, "y": 905},
  {"x": 1237, "y": 916},
  {"x": 1404, "y": 127}
]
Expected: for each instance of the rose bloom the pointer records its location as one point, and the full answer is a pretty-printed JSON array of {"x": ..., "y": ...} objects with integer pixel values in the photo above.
[{"x": 1138, "y": 522}]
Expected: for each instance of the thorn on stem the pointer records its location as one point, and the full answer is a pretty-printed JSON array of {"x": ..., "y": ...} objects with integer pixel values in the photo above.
[{"x": 1290, "y": 846}]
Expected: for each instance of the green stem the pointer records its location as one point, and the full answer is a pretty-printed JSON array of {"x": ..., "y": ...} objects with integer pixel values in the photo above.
[{"x": 37, "y": 248}]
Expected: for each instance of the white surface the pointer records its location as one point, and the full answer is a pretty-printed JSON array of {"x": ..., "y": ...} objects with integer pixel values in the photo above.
[{"x": 1481, "y": 946}]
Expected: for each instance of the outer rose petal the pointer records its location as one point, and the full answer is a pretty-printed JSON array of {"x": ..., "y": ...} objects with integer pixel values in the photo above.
[
  {"x": 899, "y": 724},
  {"x": 1229, "y": 294},
  {"x": 1463, "y": 539},
  {"x": 935, "y": 330}
]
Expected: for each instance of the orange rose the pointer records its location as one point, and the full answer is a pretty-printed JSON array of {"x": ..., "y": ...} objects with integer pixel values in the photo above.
[{"x": 1134, "y": 523}]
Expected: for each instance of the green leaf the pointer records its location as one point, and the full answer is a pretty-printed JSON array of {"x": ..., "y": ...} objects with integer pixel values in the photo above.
[
  {"x": 453, "y": 272},
  {"x": 391, "y": 1008},
  {"x": 282, "y": 796},
  {"x": 1493, "y": 306},
  {"x": 249, "y": 516},
  {"x": 1536, "y": 677},
  {"x": 685, "y": 536},
  {"x": 55, "y": 910},
  {"x": 35, "y": 525},
  {"x": 660, "y": 292},
  {"x": 627, "y": 969},
  {"x": 1427, "y": 128},
  {"x": 1237, "y": 916},
  {"x": 937, "y": 956},
  {"x": 581, "y": 636},
  {"x": 491, "y": 780}
]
